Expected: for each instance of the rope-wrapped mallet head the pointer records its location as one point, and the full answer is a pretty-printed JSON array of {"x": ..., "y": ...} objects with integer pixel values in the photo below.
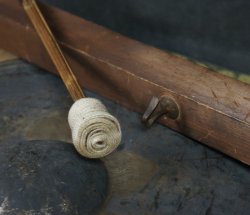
[{"x": 95, "y": 132}]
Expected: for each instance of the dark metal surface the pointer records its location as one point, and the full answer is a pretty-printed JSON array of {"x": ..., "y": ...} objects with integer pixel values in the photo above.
[
  {"x": 155, "y": 171},
  {"x": 49, "y": 177}
]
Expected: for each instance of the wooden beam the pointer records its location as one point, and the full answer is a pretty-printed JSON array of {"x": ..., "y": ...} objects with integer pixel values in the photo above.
[
  {"x": 214, "y": 109},
  {"x": 6, "y": 56}
]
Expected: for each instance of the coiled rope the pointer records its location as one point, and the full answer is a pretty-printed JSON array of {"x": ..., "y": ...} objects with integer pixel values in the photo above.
[{"x": 95, "y": 132}]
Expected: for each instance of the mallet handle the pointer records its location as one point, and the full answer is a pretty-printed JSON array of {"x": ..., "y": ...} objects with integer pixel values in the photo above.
[{"x": 53, "y": 49}]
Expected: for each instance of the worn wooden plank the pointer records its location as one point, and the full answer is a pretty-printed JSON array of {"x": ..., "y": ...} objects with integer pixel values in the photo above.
[
  {"x": 6, "y": 56},
  {"x": 215, "y": 109}
]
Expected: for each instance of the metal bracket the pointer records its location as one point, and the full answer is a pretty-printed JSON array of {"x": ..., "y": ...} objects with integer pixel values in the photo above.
[{"x": 158, "y": 107}]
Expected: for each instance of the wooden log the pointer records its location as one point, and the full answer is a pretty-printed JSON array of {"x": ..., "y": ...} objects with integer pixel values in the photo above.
[{"x": 214, "y": 109}]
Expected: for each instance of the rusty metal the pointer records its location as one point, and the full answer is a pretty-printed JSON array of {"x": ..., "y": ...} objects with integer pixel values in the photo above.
[{"x": 158, "y": 107}]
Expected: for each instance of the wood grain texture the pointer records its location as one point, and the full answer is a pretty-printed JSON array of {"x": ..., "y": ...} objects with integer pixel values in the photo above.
[
  {"x": 53, "y": 49},
  {"x": 215, "y": 109},
  {"x": 6, "y": 56}
]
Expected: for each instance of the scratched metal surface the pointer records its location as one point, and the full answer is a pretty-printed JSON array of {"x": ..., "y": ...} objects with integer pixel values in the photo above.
[{"x": 155, "y": 171}]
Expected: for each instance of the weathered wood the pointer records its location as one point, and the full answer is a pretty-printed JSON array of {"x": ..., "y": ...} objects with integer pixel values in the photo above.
[
  {"x": 6, "y": 56},
  {"x": 214, "y": 109}
]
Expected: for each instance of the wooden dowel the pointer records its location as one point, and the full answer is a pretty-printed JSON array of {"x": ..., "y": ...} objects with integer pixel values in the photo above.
[{"x": 53, "y": 49}]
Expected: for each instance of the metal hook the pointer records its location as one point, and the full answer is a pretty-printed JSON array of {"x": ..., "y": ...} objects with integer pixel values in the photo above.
[{"x": 158, "y": 107}]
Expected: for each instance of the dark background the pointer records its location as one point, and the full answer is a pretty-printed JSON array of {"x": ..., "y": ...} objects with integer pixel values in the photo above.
[{"x": 214, "y": 31}]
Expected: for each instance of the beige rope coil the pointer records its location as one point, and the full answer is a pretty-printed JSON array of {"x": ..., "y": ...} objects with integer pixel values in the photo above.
[{"x": 95, "y": 132}]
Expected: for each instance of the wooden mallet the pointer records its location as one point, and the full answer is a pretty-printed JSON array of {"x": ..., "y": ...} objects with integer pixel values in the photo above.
[{"x": 95, "y": 132}]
